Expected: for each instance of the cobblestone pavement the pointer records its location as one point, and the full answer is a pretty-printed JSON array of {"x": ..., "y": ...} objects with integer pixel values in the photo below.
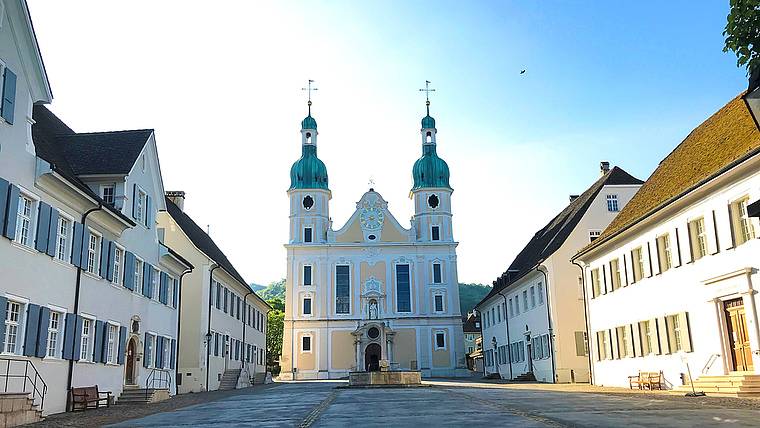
[{"x": 448, "y": 403}]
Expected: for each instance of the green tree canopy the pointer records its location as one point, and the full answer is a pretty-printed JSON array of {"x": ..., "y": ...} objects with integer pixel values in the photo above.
[
  {"x": 276, "y": 289},
  {"x": 743, "y": 33},
  {"x": 277, "y": 304},
  {"x": 470, "y": 295},
  {"x": 275, "y": 324}
]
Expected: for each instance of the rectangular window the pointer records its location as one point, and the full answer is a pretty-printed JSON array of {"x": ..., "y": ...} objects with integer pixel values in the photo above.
[
  {"x": 525, "y": 299},
  {"x": 666, "y": 256},
  {"x": 108, "y": 193},
  {"x": 699, "y": 238},
  {"x": 53, "y": 326},
  {"x": 140, "y": 207},
  {"x": 62, "y": 239},
  {"x": 151, "y": 350},
  {"x": 604, "y": 345},
  {"x": 92, "y": 253},
  {"x": 342, "y": 289},
  {"x": 545, "y": 345},
  {"x": 307, "y": 234},
  {"x": 511, "y": 313},
  {"x": 12, "y": 311},
  {"x": 437, "y": 277},
  {"x": 532, "y": 296},
  {"x": 118, "y": 255},
  {"x": 616, "y": 277},
  {"x": 488, "y": 319},
  {"x": 649, "y": 338},
  {"x": 307, "y": 275},
  {"x": 438, "y": 303},
  {"x": 638, "y": 260},
  {"x": 85, "y": 340},
  {"x": 677, "y": 341},
  {"x": 403, "y": 289},
  {"x": 435, "y": 233},
  {"x": 517, "y": 304},
  {"x": 498, "y": 314},
  {"x": 612, "y": 203},
  {"x": 623, "y": 341},
  {"x": 306, "y": 344},
  {"x": 440, "y": 340},
  {"x": 138, "y": 276},
  {"x": 112, "y": 351},
  {"x": 307, "y": 306},
  {"x": 540, "y": 293},
  {"x": 593, "y": 234},
  {"x": 170, "y": 291},
  {"x": 218, "y": 295},
  {"x": 167, "y": 352},
  {"x": 596, "y": 282},
  {"x": 154, "y": 284},
  {"x": 24, "y": 220},
  {"x": 743, "y": 227}
]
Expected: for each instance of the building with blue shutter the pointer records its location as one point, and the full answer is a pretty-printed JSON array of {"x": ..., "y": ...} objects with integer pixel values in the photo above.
[
  {"x": 222, "y": 321},
  {"x": 88, "y": 290},
  {"x": 373, "y": 293}
]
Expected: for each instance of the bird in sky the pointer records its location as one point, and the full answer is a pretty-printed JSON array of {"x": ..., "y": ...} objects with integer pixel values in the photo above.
[{"x": 522, "y": 72}]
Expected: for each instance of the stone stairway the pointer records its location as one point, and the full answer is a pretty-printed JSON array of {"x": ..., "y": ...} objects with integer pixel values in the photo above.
[
  {"x": 735, "y": 384},
  {"x": 16, "y": 408},
  {"x": 230, "y": 379},
  {"x": 131, "y": 396},
  {"x": 525, "y": 377}
]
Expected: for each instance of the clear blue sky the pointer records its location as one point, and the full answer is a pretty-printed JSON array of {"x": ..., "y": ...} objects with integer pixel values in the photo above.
[{"x": 220, "y": 82}]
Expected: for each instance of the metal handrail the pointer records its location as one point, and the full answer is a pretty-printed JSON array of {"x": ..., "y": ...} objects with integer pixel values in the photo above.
[
  {"x": 26, "y": 376},
  {"x": 164, "y": 377},
  {"x": 710, "y": 362}
]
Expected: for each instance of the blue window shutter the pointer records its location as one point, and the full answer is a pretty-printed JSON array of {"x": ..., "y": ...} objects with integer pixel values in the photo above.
[
  {"x": 172, "y": 346},
  {"x": 105, "y": 249},
  {"x": 122, "y": 344},
  {"x": 147, "y": 273},
  {"x": 42, "y": 332},
  {"x": 3, "y": 310},
  {"x": 97, "y": 355},
  {"x": 43, "y": 227},
  {"x": 104, "y": 342},
  {"x": 162, "y": 288},
  {"x": 32, "y": 328},
  {"x": 148, "y": 211},
  {"x": 135, "y": 196},
  {"x": 111, "y": 256},
  {"x": 10, "y": 211},
  {"x": 85, "y": 246},
  {"x": 176, "y": 291},
  {"x": 145, "y": 350},
  {"x": 52, "y": 233},
  {"x": 9, "y": 95},
  {"x": 159, "y": 351},
  {"x": 78, "y": 338},
  {"x": 218, "y": 295},
  {"x": 68, "y": 336},
  {"x": 165, "y": 289},
  {"x": 129, "y": 270},
  {"x": 4, "y": 187},
  {"x": 76, "y": 244}
]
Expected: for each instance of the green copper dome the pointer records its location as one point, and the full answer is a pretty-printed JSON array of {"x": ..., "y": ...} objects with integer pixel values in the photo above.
[
  {"x": 430, "y": 170},
  {"x": 428, "y": 122},
  {"x": 308, "y": 172},
  {"x": 309, "y": 123}
]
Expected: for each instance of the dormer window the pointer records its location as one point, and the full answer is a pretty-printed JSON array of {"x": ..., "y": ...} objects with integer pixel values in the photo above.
[{"x": 107, "y": 193}]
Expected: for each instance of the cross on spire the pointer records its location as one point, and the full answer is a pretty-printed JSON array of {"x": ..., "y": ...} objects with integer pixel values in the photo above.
[
  {"x": 427, "y": 92},
  {"x": 371, "y": 182},
  {"x": 309, "y": 89}
]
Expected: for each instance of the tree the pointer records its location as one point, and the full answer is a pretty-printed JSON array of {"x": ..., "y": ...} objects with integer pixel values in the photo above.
[
  {"x": 277, "y": 304},
  {"x": 743, "y": 33},
  {"x": 275, "y": 324},
  {"x": 470, "y": 295},
  {"x": 276, "y": 289}
]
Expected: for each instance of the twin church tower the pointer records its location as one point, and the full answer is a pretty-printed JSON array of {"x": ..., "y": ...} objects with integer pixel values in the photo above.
[{"x": 371, "y": 294}]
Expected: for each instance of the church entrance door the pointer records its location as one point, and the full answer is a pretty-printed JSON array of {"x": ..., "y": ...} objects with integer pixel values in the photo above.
[
  {"x": 738, "y": 333},
  {"x": 130, "y": 369},
  {"x": 372, "y": 357}
]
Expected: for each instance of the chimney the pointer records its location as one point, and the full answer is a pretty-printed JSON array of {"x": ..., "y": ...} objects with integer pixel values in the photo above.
[
  {"x": 605, "y": 167},
  {"x": 573, "y": 197},
  {"x": 178, "y": 197}
]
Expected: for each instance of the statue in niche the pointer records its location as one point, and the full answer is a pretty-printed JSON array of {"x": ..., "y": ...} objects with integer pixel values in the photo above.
[{"x": 373, "y": 310}]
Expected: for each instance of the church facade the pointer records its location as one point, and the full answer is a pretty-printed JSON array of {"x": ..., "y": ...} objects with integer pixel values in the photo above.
[{"x": 373, "y": 293}]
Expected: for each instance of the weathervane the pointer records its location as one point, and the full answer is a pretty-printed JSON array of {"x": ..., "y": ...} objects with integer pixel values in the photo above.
[
  {"x": 427, "y": 92},
  {"x": 311, "y": 89},
  {"x": 371, "y": 182}
]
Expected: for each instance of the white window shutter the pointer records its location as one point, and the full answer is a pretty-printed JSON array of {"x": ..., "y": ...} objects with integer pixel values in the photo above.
[
  {"x": 683, "y": 321},
  {"x": 675, "y": 246},
  {"x": 664, "y": 335},
  {"x": 712, "y": 236},
  {"x": 647, "y": 260}
]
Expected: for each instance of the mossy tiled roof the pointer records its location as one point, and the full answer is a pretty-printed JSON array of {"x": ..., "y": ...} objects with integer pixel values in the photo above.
[{"x": 726, "y": 136}]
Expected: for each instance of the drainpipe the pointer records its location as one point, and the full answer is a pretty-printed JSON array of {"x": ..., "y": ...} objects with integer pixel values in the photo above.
[
  {"x": 179, "y": 324},
  {"x": 208, "y": 330},
  {"x": 549, "y": 322},
  {"x": 242, "y": 364},
  {"x": 70, "y": 374},
  {"x": 585, "y": 322},
  {"x": 506, "y": 318}
]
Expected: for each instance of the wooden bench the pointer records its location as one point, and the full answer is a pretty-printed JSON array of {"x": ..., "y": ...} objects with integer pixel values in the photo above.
[
  {"x": 646, "y": 380},
  {"x": 85, "y": 396}
]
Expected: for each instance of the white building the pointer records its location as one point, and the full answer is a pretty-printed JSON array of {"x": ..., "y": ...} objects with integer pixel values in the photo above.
[
  {"x": 373, "y": 291},
  {"x": 88, "y": 291},
  {"x": 528, "y": 334},
  {"x": 217, "y": 305},
  {"x": 673, "y": 275}
]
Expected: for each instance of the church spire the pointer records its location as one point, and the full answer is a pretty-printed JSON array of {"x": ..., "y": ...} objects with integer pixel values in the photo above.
[
  {"x": 308, "y": 172},
  {"x": 429, "y": 170}
]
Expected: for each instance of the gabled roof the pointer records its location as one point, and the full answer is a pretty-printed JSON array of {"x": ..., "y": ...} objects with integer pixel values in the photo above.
[
  {"x": 103, "y": 152},
  {"x": 549, "y": 239},
  {"x": 203, "y": 242},
  {"x": 726, "y": 137},
  {"x": 469, "y": 324}
]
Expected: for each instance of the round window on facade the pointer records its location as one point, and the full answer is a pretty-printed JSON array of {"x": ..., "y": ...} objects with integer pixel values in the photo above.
[
  {"x": 433, "y": 201},
  {"x": 308, "y": 202},
  {"x": 373, "y": 333},
  {"x": 371, "y": 237}
]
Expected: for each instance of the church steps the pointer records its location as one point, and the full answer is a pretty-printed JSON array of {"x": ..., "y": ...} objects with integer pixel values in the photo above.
[{"x": 734, "y": 384}]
